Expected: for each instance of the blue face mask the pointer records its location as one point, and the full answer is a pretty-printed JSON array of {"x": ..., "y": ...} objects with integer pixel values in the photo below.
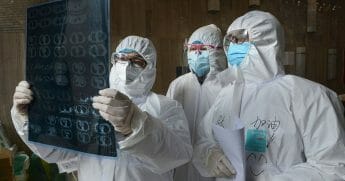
[
  {"x": 237, "y": 52},
  {"x": 199, "y": 62}
]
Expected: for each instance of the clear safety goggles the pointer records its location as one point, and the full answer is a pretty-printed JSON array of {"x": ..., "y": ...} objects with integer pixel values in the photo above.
[
  {"x": 200, "y": 47},
  {"x": 133, "y": 58},
  {"x": 236, "y": 36}
]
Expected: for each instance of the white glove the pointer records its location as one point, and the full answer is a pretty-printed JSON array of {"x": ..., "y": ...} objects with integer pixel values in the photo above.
[
  {"x": 22, "y": 97},
  {"x": 116, "y": 108},
  {"x": 219, "y": 165}
]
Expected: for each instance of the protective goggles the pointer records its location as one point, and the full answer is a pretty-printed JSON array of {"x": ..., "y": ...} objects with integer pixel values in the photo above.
[
  {"x": 236, "y": 36},
  {"x": 133, "y": 58},
  {"x": 200, "y": 47}
]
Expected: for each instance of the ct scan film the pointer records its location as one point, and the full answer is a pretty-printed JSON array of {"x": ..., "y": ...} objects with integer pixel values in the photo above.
[{"x": 67, "y": 62}]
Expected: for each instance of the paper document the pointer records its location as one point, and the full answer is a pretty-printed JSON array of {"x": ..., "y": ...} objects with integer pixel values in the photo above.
[{"x": 232, "y": 143}]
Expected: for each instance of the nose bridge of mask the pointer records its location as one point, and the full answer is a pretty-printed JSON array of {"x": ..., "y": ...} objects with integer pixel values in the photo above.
[{"x": 237, "y": 52}]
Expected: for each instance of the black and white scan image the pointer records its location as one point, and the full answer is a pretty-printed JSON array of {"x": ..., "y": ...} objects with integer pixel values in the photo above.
[{"x": 67, "y": 63}]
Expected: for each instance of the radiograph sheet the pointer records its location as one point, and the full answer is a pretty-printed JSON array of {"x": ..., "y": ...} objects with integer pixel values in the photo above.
[{"x": 66, "y": 65}]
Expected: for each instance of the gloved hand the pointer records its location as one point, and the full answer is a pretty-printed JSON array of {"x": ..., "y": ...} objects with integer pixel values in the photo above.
[
  {"x": 116, "y": 108},
  {"x": 219, "y": 165},
  {"x": 22, "y": 97}
]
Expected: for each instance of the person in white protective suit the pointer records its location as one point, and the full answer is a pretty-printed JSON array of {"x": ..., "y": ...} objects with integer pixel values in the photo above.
[
  {"x": 293, "y": 126},
  {"x": 154, "y": 128},
  {"x": 197, "y": 90}
]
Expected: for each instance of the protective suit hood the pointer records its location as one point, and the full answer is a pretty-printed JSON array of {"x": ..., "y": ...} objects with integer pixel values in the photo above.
[
  {"x": 142, "y": 85},
  {"x": 211, "y": 35},
  {"x": 263, "y": 61}
]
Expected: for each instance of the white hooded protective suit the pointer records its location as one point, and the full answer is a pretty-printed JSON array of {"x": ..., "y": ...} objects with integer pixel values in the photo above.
[
  {"x": 196, "y": 99},
  {"x": 159, "y": 142},
  {"x": 292, "y": 125}
]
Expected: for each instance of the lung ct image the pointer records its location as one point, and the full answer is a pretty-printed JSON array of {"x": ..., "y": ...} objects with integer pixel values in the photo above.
[{"x": 67, "y": 63}]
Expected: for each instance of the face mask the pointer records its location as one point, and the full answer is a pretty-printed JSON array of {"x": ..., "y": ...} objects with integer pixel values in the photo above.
[
  {"x": 237, "y": 52},
  {"x": 199, "y": 62},
  {"x": 127, "y": 72}
]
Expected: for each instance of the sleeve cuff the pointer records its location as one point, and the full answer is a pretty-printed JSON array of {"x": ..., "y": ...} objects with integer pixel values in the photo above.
[
  {"x": 20, "y": 122},
  {"x": 138, "y": 125}
]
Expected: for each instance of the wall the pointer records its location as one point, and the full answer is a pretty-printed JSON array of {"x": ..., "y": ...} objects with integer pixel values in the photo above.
[
  {"x": 168, "y": 22},
  {"x": 12, "y": 57}
]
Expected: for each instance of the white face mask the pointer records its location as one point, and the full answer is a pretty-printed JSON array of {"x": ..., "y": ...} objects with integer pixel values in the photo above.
[{"x": 126, "y": 72}]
